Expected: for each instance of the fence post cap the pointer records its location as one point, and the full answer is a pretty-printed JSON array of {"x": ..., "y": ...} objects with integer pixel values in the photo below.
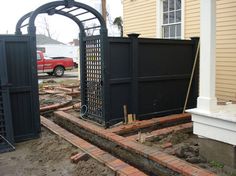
[{"x": 133, "y": 35}]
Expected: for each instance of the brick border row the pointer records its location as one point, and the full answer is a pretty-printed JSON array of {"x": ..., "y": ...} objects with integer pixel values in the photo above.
[
  {"x": 155, "y": 155},
  {"x": 117, "y": 165}
]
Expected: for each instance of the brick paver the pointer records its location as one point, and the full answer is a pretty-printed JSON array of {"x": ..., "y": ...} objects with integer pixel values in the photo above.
[
  {"x": 117, "y": 165},
  {"x": 153, "y": 154}
]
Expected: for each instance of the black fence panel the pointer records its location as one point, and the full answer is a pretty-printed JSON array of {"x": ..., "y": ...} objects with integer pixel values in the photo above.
[
  {"x": 148, "y": 76},
  {"x": 163, "y": 73},
  {"x": 23, "y": 86},
  {"x": 120, "y": 78}
]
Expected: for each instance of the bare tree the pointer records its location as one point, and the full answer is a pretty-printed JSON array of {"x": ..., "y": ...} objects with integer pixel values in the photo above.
[
  {"x": 46, "y": 29},
  {"x": 92, "y": 29}
]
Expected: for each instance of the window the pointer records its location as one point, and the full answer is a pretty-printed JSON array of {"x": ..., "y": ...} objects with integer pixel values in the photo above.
[
  {"x": 171, "y": 22},
  {"x": 38, "y": 56}
]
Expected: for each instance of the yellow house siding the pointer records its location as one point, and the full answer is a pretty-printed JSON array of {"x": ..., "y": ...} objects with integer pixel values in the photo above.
[
  {"x": 225, "y": 43},
  {"x": 226, "y": 49},
  {"x": 140, "y": 17},
  {"x": 192, "y": 18}
]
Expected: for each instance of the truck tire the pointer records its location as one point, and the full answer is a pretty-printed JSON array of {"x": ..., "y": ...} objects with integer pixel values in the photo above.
[
  {"x": 59, "y": 71},
  {"x": 50, "y": 73}
]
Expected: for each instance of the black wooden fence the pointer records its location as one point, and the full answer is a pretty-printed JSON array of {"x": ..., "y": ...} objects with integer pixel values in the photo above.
[
  {"x": 19, "y": 101},
  {"x": 149, "y": 76}
]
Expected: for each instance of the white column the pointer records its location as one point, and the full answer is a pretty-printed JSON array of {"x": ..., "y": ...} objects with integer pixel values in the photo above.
[{"x": 206, "y": 99}]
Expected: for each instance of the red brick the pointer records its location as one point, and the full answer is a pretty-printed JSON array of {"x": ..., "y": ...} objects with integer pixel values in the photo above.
[
  {"x": 122, "y": 166},
  {"x": 91, "y": 148},
  {"x": 188, "y": 170},
  {"x": 117, "y": 163},
  {"x": 200, "y": 172},
  {"x": 161, "y": 158},
  {"x": 138, "y": 174},
  {"x": 78, "y": 157},
  {"x": 179, "y": 167},
  {"x": 166, "y": 145},
  {"x": 150, "y": 150},
  {"x": 129, "y": 170},
  {"x": 120, "y": 174},
  {"x": 117, "y": 138},
  {"x": 175, "y": 164},
  {"x": 97, "y": 152},
  {"x": 106, "y": 157}
]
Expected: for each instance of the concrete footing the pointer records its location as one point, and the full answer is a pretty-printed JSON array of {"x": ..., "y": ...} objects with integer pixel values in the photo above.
[{"x": 218, "y": 151}]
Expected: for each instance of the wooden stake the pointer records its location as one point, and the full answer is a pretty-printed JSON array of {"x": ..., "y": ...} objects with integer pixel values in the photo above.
[
  {"x": 130, "y": 118},
  {"x": 134, "y": 117},
  {"x": 125, "y": 114}
]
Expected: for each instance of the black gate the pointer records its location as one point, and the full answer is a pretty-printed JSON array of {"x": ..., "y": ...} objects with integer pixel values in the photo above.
[
  {"x": 19, "y": 88},
  {"x": 6, "y": 132}
]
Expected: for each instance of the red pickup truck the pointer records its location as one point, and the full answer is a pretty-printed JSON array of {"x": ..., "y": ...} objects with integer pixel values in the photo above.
[{"x": 53, "y": 66}]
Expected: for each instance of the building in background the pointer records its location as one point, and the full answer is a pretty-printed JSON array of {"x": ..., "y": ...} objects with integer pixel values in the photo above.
[
  {"x": 56, "y": 49},
  {"x": 216, "y": 19}
]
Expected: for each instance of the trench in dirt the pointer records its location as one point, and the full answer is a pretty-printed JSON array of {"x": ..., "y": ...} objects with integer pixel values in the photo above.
[
  {"x": 48, "y": 155},
  {"x": 131, "y": 157}
]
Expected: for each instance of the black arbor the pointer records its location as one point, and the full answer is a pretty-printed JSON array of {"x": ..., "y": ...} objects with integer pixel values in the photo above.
[
  {"x": 92, "y": 50},
  {"x": 19, "y": 100}
]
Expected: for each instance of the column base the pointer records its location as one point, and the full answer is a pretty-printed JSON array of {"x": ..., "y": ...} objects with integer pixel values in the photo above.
[
  {"x": 216, "y": 131},
  {"x": 206, "y": 104}
]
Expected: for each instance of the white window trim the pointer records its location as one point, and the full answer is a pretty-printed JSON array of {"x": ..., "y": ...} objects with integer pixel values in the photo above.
[
  {"x": 183, "y": 19},
  {"x": 159, "y": 10}
]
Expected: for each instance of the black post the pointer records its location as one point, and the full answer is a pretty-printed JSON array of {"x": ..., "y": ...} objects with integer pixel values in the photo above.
[
  {"x": 34, "y": 80},
  {"x": 105, "y": 78},
  {"x": 195, "y": 83},
  {"x": 134, "y": 53},
  {"x": 82, "y": 68}
]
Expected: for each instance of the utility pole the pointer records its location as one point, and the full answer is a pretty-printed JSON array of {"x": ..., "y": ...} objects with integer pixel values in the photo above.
[{"x": 104, "y": 10}]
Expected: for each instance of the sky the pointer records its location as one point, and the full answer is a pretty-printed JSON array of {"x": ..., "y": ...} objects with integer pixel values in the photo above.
[{"x": 62, "y": 29}]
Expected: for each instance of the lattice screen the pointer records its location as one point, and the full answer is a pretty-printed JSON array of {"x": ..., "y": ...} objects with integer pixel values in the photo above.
[{"x": 93, "y": 87}]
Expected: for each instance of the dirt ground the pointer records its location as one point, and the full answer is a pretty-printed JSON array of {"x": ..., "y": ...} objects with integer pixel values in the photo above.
[
  {"x": 182, "y": 144},
  {"x": 48, "y": 156},
  {"x": 185, "y": 146},
  {"x": 49, "y": 99}
]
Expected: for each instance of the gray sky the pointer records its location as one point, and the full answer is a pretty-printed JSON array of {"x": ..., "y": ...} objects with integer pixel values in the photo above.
[{"x": 62, "y": 28}]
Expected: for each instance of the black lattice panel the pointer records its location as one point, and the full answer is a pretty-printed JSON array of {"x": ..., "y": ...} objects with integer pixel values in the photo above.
[
  {"x": 93, "y": 93},
  {"x": 2, "y": 121}
]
